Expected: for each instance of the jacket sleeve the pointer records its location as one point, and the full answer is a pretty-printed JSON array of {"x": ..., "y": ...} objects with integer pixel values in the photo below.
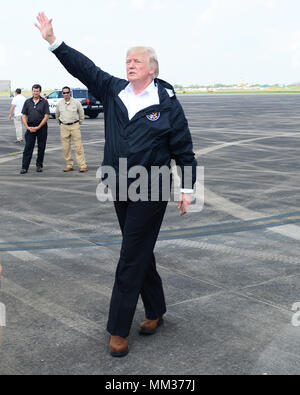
[
  {"x": 82, "y": 68},
  {"x": 181, "y": 146}
]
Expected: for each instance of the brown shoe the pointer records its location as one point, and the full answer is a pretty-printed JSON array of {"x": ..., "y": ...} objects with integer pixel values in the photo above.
[
  {"x": 118, "y": 346},
  {"x": 67, "y": 169},
  {"x": 149, "y": 327},
  {"x": 83, "y": 170}
]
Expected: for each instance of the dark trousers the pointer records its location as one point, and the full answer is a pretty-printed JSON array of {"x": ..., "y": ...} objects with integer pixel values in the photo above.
[
  {"x": 136, "y": 273},
  {"x": 30, "y": 138}
]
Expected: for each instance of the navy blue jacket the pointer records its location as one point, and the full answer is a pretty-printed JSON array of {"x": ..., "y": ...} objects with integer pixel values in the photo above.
[{"x": 142, "y": 141}]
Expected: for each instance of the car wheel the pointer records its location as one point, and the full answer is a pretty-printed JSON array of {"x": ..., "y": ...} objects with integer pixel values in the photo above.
[{"x": 93, "y": 115}]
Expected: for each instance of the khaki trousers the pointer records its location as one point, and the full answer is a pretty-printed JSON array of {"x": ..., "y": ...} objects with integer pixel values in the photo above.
[
  {"x": 72, "y": 131},
  {"x": 18, "y": 126}
]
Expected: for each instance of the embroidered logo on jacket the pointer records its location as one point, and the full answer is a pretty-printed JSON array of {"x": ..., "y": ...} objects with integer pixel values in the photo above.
[{"x": 154, "y": 116}]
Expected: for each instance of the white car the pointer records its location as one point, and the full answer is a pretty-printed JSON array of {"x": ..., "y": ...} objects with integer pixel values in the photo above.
[
  {"x": 92, "y": 107},
  {"x": 53, "y": 99}
]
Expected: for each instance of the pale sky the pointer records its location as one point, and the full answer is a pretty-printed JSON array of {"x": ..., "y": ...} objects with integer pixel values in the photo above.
[{"x": 197, "y": 41}]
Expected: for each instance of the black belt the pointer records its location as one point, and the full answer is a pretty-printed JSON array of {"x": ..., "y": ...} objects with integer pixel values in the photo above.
[{"x": 69, "y": 124}]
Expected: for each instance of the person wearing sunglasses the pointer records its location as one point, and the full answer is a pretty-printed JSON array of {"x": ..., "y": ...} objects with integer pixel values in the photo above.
[{"x": 70, "y": 115}]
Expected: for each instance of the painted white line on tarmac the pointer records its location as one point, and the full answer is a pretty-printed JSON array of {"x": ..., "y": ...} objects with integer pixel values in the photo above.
[
  {"x": 208, "y": 150},
  {"x": 58, "y": 313},
  {"x": 291, "y": 231},
  {"x": 45, "y": 220},
  {"x": 77, "y": 281},
  {"x": 242, "y": 252},
  {"x": 52, "y": 189},
  {"x": 229, "y": 207},
  {"x": 19, "y": 155},
  {"x": 240, "y": 212}
]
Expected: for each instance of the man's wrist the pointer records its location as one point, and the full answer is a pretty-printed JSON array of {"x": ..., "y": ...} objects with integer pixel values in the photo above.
[
  {"x": 54, "y": 44},
  {"x": 51, "y": 40},
  {"x": 188, "y": 191}
]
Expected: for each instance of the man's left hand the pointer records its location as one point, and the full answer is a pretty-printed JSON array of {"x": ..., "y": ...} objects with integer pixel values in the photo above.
[
  {"x": 184, "y": 203},
  {"x": 33, "y": 130}
]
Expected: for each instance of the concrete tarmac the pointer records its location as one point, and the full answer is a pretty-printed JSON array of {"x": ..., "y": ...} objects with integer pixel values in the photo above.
[{"x": 231, "y": 272}]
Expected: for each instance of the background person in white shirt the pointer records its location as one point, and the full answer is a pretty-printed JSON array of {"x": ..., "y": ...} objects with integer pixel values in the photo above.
[{"x": 16, "y": 112}]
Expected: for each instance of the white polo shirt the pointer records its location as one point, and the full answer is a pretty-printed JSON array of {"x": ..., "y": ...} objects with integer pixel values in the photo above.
[{"x": 18, "y": 101}]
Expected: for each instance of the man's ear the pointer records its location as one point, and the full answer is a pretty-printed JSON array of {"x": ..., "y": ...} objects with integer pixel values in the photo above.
[{"x": 152, "y": 71}]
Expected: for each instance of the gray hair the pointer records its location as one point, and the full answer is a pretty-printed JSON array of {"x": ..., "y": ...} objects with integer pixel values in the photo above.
[{"x": 153, "y": 61}]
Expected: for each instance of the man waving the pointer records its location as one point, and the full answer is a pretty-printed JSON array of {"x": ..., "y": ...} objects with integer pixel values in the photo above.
[{"x": 144, "y": 124}]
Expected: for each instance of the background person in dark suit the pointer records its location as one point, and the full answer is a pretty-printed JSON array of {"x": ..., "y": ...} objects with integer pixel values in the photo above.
[{"x": 144, "y": 123}]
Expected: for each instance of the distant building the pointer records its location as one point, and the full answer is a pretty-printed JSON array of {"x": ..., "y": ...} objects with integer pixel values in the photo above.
[
  {"x": 243, "y": 84},
  {"x": 5, "y": 86}
]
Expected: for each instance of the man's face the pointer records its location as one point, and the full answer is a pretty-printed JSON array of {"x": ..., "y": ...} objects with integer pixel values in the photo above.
[
  {"x": 36, "y": 93},
  {"x": 138, "y": 68},
  {"x": 66, "y": 94}
]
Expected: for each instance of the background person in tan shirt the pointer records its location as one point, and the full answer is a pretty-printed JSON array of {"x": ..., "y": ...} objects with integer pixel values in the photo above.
[{"x": 70, "y": 114}]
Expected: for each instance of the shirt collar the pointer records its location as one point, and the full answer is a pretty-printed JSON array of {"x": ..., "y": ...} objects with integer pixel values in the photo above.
[
  {"x": 40, "y": 99},
  {"x": 148, "y": 90}
]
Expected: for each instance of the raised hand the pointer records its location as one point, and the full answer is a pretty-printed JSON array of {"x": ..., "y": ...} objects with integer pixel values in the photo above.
[{"x": 45, "y": 27}]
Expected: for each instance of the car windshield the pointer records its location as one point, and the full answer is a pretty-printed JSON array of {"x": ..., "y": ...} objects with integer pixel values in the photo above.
[
  {"x": 80, "y": 94},
  {"x": 55, "y": 95}
]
